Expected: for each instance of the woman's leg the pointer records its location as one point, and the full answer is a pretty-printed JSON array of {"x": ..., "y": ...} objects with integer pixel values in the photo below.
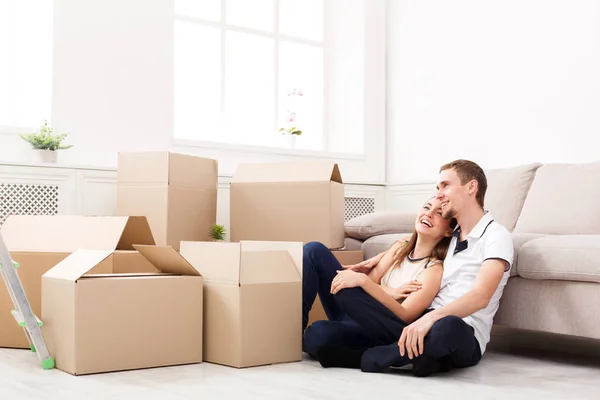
[
  {"x": 346, "y": 333},
  {"x": 377, "y": 322},
  {"x": 383, "y": 325},
  {"x": 318, "y": 270}
]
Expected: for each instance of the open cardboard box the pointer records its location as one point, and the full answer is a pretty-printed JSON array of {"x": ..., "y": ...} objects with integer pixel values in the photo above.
[
  {"x": 120, "y": 321},
  {"x": 40, "y": 242},
  {"x": 176, "y": 192},
  {"x": 293, "y": 202},
  {"x": 252, "y": 301}
]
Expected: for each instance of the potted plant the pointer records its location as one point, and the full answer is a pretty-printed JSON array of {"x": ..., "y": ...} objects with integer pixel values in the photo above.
[
  {"x": 290, "y": 134},
  {"x": 217, "y": 233},
  {"x": 45, "y": 143}
]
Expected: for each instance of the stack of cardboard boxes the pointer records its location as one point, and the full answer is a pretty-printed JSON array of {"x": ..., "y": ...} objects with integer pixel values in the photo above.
[{"x": 148, "y": 288}]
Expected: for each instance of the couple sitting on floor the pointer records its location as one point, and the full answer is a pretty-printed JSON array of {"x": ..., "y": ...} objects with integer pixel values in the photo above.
[{"x": 428, "y": 300}]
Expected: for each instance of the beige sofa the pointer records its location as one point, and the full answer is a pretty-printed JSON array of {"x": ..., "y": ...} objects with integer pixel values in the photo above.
[{"x": 553, "y": 212}]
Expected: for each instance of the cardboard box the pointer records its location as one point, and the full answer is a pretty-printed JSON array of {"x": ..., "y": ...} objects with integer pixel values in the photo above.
[
  {"x": 345, "y": 257},
  {"x": 114, "y": 322},
  {"x": 252, "y": 301},
  {"x": 38, "y": 243},
  {"x": 176, "y": 192},
  {"x": 298, "y": 202}
]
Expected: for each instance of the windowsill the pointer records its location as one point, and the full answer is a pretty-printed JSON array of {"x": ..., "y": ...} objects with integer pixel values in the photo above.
[
  {"x": 267, "y": 150},
  {"x": 12, "y": 163}
]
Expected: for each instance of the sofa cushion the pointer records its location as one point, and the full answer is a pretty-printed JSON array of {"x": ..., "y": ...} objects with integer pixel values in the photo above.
[
  {"x": 561, "y": 257},
  {"x": 380, "y": 243},
  {"x": 563, "y": 200},
  {"x": 352, "y": 244},
  {"x": 519, "y": 240},
  {"x": 507, "y": 190},
  {"x": 380, "y": 223}
]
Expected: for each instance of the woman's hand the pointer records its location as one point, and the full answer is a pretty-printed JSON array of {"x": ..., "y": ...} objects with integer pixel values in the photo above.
[
  {"x": 403, "y": 291},
  {"x": 347, "y": 279},
  {"x": 362, "y": 267}
]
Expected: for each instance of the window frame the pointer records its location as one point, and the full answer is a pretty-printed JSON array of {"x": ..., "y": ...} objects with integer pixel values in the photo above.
[{"x": 277, "y": 38}]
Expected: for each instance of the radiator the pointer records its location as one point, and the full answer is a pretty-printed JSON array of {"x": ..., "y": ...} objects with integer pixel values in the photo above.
[
  {"x": 27, "y": 199},
  {"x": 357, "y": 206}
]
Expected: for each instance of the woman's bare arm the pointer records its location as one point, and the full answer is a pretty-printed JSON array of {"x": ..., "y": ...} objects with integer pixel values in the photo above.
[
  {"x": 385, "y": 262},
  {"x": 417, "y": 302}
]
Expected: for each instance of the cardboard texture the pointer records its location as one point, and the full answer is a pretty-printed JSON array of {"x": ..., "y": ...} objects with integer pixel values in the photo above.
[
  {"x": 317, "y": 313},
  {"x": 176, "y": 192},
  {"x": 252, "y": 301},
  {"x": 121, "y": 321},
  {"x": 38, "y": 243},
  {"x": 294, "y": 202}
]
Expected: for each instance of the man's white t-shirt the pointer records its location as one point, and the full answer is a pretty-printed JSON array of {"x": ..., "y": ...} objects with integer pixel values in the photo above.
[{"x": 487, "y": 240}]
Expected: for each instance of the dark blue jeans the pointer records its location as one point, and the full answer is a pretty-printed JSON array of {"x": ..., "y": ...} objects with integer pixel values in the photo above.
[
  {"x": 450, "y": 340},
  {"x": 359, "y": 322},
  {"x": 356, "y": 320}
]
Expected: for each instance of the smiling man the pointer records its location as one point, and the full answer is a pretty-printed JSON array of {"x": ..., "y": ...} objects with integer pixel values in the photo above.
[{"x": 455, "y": 331}]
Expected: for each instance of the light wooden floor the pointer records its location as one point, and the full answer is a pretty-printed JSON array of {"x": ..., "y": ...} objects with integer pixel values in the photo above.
[{"x": 519, "y": 365}]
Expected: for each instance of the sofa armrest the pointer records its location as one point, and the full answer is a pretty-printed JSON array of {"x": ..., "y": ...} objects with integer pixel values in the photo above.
[{"x": 380, "y": 223}]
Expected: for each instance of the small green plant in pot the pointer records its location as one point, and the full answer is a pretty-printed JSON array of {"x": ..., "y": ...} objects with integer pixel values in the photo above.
[
  {"x": 45, "y": 142},
  {"x": 217, "y": 233}
]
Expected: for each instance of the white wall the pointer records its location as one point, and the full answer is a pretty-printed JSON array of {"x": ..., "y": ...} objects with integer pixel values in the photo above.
[
  {"x": 499, "y": 82},
  {"x": 113, "y": 87}
]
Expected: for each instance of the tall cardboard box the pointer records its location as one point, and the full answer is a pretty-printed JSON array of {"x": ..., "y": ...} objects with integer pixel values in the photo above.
[
  {"x": 115, "y": 322},
  {"x": 298, "y": 202},
  {"x": 252, "y": 301},
  {"x": 38, "y": 243},
  {"x": 345, "y": 257},
  {"x": 176, "y": 192}
]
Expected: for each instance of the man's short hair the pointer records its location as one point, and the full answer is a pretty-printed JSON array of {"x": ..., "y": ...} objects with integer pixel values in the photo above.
[{"x": 468, "y": 171}]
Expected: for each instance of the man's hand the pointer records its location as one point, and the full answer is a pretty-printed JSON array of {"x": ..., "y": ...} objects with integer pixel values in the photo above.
[
  {"x": 403, "y": 291},
  {"x": 347, "y": 279},
  {"x": 362, "y": 267},
  {"x": 413, "y": 336}
]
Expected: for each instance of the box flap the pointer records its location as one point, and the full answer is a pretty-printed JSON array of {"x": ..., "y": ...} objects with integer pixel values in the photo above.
[
  {"x": 217, "y": 262},
  {"x": 166, "y": 259},
  {"x": 137, "y": 231},
  {"x": 295, "y": 249},
  {"x": 321, "y": 171},
  {"x": 68, "y": 233},
  {"x": 76, "y": 264},
  {"x": 267, "y": 267}
]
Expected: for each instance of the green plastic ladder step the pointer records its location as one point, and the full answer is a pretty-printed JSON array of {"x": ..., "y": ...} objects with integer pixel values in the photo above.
[
  {"x": 15, "y": 264},
  {"x": 21, "y": 321}
]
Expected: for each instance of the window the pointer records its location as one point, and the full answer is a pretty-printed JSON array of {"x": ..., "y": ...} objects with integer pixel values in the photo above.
[
  {"x": 25, "y": 63},
  {"x": 244, "y": 69}
]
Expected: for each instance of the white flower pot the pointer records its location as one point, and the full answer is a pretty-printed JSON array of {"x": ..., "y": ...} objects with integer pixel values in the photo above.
[
  {"x": 288, "y": 141},
  {"x": 45, "y": 156}
]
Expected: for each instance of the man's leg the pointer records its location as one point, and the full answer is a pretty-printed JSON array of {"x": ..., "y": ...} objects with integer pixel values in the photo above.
[
  {"x": 346, "y": 333},
  {"x": 450, "y": 340},
  {"x": 318, "y": 270}
]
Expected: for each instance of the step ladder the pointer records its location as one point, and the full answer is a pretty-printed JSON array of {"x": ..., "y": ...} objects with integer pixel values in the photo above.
[{"x": 22, "y": 312}]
